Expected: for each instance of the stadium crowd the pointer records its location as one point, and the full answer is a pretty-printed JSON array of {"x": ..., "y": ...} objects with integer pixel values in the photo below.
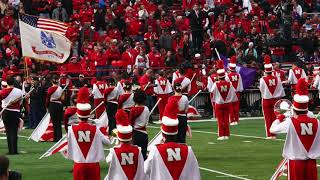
[{"x": 134, "y": 36}]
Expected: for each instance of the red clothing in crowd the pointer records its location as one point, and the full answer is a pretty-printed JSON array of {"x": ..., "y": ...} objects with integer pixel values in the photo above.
[
  {"x": 154, "y": 59},
  {"x": 74, "y": 67},
  {"x": 112, "y": 54}
]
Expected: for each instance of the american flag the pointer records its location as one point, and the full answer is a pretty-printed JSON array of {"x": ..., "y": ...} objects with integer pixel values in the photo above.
[{"x": 45, "y": 24}]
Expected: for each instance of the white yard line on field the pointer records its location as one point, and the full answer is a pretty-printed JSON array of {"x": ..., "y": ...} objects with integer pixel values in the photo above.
[
  {"x": 18, "y": 135},
  {"x": 222, "y": 173},
  {"x": 237, "y": 135},
  {"x": 215, "y": 120}
]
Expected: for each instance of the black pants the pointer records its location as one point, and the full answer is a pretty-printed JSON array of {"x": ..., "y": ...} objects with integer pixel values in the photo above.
[
  {"x": 182, "y": 129},
  {"x": 111, "y": 112},
  {"x": 197, "y": 39},
  {"x": 140, "y": 139},
  {"x": 11, "y": 123},
  {"x": 56, "y": 114}
]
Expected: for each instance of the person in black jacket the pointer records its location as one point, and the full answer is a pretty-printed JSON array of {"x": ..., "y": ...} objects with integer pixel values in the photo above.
[{"x": 196, "y": 17}]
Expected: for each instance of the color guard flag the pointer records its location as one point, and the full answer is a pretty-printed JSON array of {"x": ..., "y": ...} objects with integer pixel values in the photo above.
[
  {"x": 44, "y": 130},
  {"x": 61, "y": 146},
  {"x": 44, "y": 39}
]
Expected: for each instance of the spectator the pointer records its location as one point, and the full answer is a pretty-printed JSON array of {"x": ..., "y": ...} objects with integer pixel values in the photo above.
[
  {"x": 60, "y": 13},
  {"x": 251, "y": 51},
  {"x": 315, "y": 57},
  {"x": 165, "y": 40},
  {"x": 297, "y": 8},
  {"x": 142, "y": 61},
  {"x": 196, "y": 17},
  {"x": 301, "y": 56},
  {"x": 5, "y": 173}
]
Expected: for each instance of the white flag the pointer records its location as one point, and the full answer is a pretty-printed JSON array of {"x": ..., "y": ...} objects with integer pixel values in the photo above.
[
  {"x": 42, "y": 43},
  {"x": 41, "y": 128},
  {"x": 157, "y": 139},
  {"x": 61, "y": 146}
]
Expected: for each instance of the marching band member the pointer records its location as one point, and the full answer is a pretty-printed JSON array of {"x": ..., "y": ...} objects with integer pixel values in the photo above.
[
  {"x": 183, "y": 105},
  {"x": 126, "y": 99},
  {"x": 11, "y": 98},
  {"x": 171, "y": 160},
  {"x": 316, "y": 79},
  {"x": 271, "y": 91},
  {"x": 278, "y": 72},
  {"x": 162, "y": 89},
  {"x": 125, "y": 160},
  {"x": 98, "y": 95},
  {"x": 54, "y": 104},
  {"x": 111, "y": 96},
  {"x": 224, "y": 95},
  {"x": 302, "y": 145},
  {"x": 211, "y": 79},
  {"x": 70, "y": 117},
  {"x": 236, "y": 82},
  {"x": 138, "y": 117},
  {"x": 295, "y": 73},
  {"x": 85, "y": 142},
  {"x": 184, "y": 81}
]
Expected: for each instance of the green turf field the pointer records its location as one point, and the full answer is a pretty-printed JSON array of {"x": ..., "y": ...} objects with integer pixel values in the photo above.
[{"x": 246, "y": 155}]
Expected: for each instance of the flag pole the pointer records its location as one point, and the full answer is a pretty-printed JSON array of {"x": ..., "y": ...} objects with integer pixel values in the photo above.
[
  {"x": 97, "y": 107},
  {"x": 195, "y": 96},
  {"x": 52, "y": 147},
  {"x": 280, "y": 167},
  {"x": 154, "y": 107},
  {"x": 217, "y": 52}
]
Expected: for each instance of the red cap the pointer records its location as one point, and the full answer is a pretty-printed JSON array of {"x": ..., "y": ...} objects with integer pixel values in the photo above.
[
  {"x": 123, "y": 126},
  {"x": 301, "y": 98},
  {"x": 233, "y": 63},
  {"x": 83, "y": 106},
  {"x": 267, "y": 64},
  {"x": 169, "y": 120}
]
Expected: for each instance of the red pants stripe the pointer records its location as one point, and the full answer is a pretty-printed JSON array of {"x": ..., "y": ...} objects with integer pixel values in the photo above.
[
  {"x": 268, "y": 113},
  {"x": 86, "y": 171},
  {"x": 162, "y": 103},
  {"x": 222, "y": 113},
  {"x": 101, "y": 109},
  {"x": 302, "y": 170}
]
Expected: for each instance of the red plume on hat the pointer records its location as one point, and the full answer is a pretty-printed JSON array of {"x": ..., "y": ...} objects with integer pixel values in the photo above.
[
  {"x": 123, "y": 126},
  {"x": 301, "y": 98},
  {"x": 83, "y": 106},
  {"x": 220, "y": 66},
  {"x": 267, "y": 64},
  {"x": 122, "y": 118},
  {"x": 233, "y": 63},
  {"x": 83, "y": 95},
  {"x": 169, "y": 120}
]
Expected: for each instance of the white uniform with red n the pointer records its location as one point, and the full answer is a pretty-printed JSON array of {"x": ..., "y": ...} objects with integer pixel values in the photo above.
[
  {"x": 271, "y": 91},
  {"x": 162, "y": 89},
  {"x": 224, "y": 96},
  {"x": 171, "y": 161},
  {"x": 98, "y": 97},
  {"x": 85, "y": 143},
  {"x": 236, "y": 82},
  {"x": 294, "y": 75},
  {"x": 125, "y": 160},
  {"x": 302, "y": 146}
]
